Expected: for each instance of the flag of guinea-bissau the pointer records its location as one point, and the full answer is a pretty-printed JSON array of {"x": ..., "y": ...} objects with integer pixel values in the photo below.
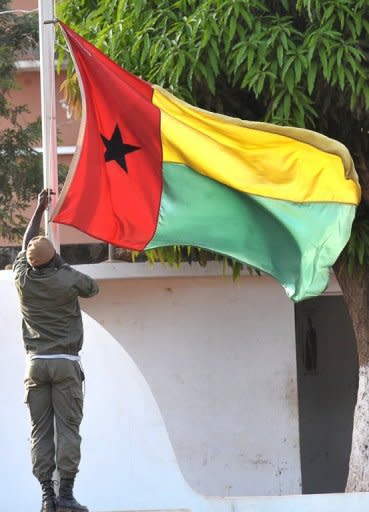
[{"x": 151, "y": 170}]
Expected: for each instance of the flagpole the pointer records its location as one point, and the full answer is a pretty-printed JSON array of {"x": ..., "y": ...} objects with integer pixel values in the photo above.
[{"x": 48, "y": 111}]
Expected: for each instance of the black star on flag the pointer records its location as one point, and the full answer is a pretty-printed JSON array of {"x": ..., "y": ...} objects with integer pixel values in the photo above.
[{"x": 116, "y": 149}]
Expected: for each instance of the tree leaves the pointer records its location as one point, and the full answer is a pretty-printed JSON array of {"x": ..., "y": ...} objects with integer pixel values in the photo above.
[
  {"x": 304, "y": 64},
  {"x": 20, "y": 165},
  {"x": 356, "y": 255},
  {"x": 191, "y": 45}
]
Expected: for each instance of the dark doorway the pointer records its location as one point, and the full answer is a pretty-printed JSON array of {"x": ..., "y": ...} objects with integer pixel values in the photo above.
[{"x": 327, "y": 386}]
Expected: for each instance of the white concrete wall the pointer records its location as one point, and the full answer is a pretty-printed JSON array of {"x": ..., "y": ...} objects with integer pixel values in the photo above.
[
  {"x": 126, "y": 450},
  {"x": 220, "y": 360}
]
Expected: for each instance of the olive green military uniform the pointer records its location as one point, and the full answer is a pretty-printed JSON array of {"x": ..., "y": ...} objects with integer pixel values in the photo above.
[{"x": 53, "y": 336}]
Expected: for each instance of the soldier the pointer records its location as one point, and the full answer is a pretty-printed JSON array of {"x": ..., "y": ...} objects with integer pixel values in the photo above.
[{"x": 53, "y": 334}]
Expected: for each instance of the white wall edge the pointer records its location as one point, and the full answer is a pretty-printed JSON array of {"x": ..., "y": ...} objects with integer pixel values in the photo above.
[
  {"x": 61, "y": 150},
  {"x": 28, "y": 65},
  {"x": 32, "y": 65},
  {"x": 123, "y": 270}
]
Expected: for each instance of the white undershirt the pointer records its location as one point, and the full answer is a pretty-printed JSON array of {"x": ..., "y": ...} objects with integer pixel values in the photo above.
[{"x": 55, "y": 356}]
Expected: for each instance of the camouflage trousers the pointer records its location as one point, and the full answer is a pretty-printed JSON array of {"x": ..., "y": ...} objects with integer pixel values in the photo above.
[{"x": 53, "y": 393}]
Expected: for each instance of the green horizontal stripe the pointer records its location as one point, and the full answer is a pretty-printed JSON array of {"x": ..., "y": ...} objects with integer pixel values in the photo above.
[{"x": 295, "y": 243}]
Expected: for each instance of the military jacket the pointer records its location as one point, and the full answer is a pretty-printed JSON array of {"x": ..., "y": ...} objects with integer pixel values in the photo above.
[{"x": 52, "y": 322}]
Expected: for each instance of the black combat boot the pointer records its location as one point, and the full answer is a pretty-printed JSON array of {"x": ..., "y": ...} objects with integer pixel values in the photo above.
[
  {"x": 66, "y": 501},
  {"x": 48, "y": 496}
]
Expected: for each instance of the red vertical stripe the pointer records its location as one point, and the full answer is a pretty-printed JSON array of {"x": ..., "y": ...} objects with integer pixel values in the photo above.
[{"x": 102, "y": 199}]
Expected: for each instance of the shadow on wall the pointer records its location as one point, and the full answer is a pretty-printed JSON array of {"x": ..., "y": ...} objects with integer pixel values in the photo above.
[{"x": 327, "y": 385}]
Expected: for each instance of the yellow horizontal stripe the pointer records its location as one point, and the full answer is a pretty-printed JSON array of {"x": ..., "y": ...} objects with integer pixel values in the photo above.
[{"x": 258, "y": 158}]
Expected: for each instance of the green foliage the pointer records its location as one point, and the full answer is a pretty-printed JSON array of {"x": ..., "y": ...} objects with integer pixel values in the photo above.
[
  {"x": 356, "y": 256},
  {"x": 303, "y": 63},
  {"x": 20, "y": 166},
  {"x": 270, "y": 60},
  {"x": 176, "y": 254}
]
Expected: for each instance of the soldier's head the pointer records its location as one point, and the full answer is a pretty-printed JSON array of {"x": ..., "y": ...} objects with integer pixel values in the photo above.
[{"x": 40, "y": 252}]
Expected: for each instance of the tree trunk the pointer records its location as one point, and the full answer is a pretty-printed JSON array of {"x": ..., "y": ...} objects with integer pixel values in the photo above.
[{"x": 356, "y": 295}]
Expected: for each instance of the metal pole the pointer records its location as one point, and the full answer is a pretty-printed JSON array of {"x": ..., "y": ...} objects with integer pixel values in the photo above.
[
  {"x": 48, "y": 111},
  {"x": 111, "y": 252}
]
